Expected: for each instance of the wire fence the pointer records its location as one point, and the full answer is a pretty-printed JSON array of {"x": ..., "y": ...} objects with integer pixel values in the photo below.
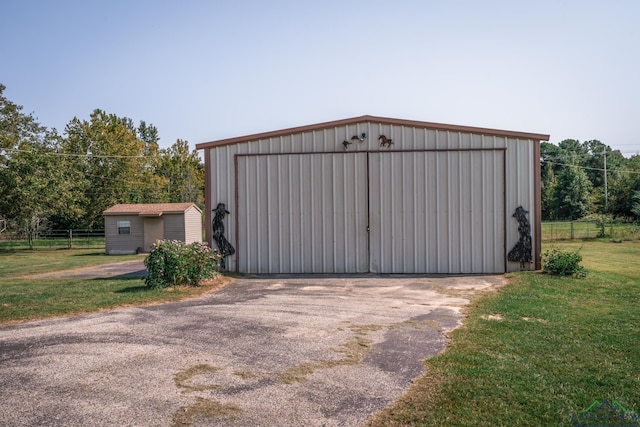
[
  {"x": 95, "y": 239},
  {"x": 54, "y": 239},
  {"x": 572, "y": 230}
]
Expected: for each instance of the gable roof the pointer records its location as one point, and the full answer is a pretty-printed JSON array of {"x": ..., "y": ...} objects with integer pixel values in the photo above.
[
  {"x": 150, "y": 209},
  {"x": 374, "y": 119}
]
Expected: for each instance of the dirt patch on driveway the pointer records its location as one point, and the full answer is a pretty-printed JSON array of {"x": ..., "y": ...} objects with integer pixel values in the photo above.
[{"x": 261, "y": 351}]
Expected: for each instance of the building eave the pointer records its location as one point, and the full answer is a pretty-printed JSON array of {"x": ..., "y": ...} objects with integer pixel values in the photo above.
[{"x": 378, "y": 120}]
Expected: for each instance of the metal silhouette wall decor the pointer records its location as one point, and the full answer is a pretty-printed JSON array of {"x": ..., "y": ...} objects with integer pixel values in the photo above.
[
  {"x": 521, "y": 252},
  {"x": 358, "y": 138},
  {"x": 225, "y": 248},
  {"x": 385, "y": 141}
]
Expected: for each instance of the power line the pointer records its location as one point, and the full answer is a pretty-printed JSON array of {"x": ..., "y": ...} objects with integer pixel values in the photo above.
[
  {"x": 594, "y": 169},
  {"x": 98, "y": 156}
]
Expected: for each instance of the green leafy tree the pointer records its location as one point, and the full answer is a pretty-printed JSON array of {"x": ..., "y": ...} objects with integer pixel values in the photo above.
[
  {"x": 635, "y": 204},
  {"x": 572, "y": 192},
  {"x": 184, "y": 173},
  {"x": 155, "y": 188},
  {"x": 573, "y": 150},
  {"x": 68, "y": 182},
  {"x": 118, "y": 167},
  {"x": 594, "y": 166},
  {"x": 551, "y": 154},
  {"x": 149, "y": 135},
  {"x": 588, "y": 156},
  {"x": 625, "y": 188},
  {"x": 549, "y": 184},
  {"x": 32, "y": 184},
  {"x": 595, "y": 161}
]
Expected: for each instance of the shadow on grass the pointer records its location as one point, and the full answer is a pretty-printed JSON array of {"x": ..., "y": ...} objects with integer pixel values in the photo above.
[
  {"x": 137, "y": 275},
  {"x": 130, "y": 276},
  {"x": 97, "y": 253},
  {"x": 133, "y": 290},
  {"x": 140, "y": 275}
]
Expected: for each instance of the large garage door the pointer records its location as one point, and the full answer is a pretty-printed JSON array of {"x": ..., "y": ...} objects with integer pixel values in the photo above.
[
  {"x": 437, "y": 212},
  {"x": 302, "y": 213},
  {"x": 396, "y": 212}
]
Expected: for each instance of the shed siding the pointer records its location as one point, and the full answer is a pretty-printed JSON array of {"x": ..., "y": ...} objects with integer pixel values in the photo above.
[
  {"x": 514, "y": 171},
  {"x": 192, "y": 225},
  {"x": 174, "y": 227},
  {"x": 123, "y": 243}
]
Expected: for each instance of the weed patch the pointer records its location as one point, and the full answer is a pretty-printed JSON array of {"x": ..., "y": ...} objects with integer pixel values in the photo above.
[
  {"x": 352, "y": 351},
  {"x": 184, "y": 378},
  {"x": 204, "y": 409},
  {"x": 246, "y": 375}
]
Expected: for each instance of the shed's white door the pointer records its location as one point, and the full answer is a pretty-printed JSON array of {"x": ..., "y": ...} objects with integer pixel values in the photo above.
[
  {"x": 437, "y": 212},
  {"x": 302, "y": 213}
]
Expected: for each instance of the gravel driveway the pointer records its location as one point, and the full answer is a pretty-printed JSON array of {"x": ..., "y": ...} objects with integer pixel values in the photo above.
[{"x": 265, "y": 351}]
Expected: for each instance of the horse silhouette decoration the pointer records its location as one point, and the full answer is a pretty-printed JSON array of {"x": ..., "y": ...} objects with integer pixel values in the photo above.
[
  {"x": 225, "y": 248},
  {"x": 385, "y": 141}
]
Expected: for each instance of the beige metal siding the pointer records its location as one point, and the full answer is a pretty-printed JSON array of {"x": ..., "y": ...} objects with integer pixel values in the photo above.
[
  {"x": 302, "y": 213},
  {"x": 123, "y": 243},
  {"x": 520, "y": 191},
  {"x": 437, "y": 212},
  {"x": 222, "y": 187}
]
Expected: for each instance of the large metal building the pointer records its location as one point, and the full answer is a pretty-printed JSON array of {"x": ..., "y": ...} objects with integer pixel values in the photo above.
[{"x": 373, "y": 194}]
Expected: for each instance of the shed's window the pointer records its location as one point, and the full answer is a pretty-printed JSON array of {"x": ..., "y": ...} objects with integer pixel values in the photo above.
[{"x": 124, "y": 227}]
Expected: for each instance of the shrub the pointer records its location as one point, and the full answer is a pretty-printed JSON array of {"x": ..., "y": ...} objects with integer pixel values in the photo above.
[
  {"x": 174, "y": 263},
  {"x": 563, "y": 263}
]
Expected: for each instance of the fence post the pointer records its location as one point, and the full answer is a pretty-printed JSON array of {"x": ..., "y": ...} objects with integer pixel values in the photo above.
[
  {"x": 70, "y": 238},
  {"x": 571, "y": 230}
]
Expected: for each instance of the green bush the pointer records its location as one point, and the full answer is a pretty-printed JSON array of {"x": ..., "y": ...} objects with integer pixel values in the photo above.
[
  {"x": 174, "y": 263},
  {"x": 563, "y": 263}
]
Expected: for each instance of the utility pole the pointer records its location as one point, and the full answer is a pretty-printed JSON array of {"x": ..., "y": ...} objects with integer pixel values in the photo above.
[{"x": 606, "y": 193}]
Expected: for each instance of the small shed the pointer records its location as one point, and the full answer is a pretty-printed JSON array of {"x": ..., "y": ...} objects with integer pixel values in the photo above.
[
  {"x": 133, "y": 228},
  {"x": 376, "y": 195}
]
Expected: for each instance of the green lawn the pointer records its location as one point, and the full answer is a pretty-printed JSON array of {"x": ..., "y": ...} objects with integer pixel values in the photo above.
[
  {"x": 561, "y": 344},
  {"x": 22, "y": 262},
  {"x": 23, "y": 298}
]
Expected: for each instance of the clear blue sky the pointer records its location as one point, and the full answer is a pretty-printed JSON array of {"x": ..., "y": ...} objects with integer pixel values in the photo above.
[{"x": 207, "y": 70}]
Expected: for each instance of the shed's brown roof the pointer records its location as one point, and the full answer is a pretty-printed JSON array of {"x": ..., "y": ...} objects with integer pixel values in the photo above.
[
  {"x": 374, "y": 119},
  {"x": 149, "y": 209}
]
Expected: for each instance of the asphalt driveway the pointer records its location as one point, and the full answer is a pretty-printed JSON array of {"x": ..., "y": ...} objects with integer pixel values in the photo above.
[{"x": 265, "y": 351}]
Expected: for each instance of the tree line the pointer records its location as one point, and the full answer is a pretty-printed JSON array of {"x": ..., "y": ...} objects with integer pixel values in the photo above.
[
  {"x": 48, "y": 180},
  {"x": 589, "y": 178}
]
